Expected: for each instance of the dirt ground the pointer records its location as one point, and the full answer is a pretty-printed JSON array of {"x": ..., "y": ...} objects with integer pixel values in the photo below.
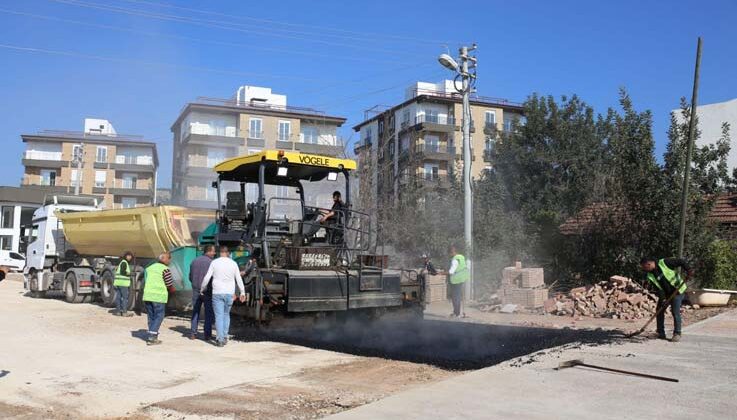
[{"x": 65, "y": 361}]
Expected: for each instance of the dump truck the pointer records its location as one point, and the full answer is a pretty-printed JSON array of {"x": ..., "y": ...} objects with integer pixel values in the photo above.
[
  {"x": 303, "y": 261},
  {"x": 78, "y": 246}
]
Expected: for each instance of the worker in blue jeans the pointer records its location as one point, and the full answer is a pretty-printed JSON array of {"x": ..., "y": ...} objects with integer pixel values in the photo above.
[
  {"x": 197, "y": 271},
  {"x": 225, "y": 274},
  {"x": 158, "y": 284}
]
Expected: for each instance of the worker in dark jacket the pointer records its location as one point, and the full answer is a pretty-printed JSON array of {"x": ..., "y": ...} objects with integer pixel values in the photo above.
[
  {"x": 197, "y": 271},
  {"x": 122, "y": 284},
  {"x": 664, "y": 277}
]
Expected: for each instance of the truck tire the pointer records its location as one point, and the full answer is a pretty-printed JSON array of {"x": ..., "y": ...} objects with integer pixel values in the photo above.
[
  {"x": 135, "y": 296},
  {"x": 70, "y": 289},
  {"x": 107, "y": 290}
]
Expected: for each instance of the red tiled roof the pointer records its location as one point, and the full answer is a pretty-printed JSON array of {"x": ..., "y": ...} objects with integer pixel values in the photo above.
[{"x": 724, "y": 211}]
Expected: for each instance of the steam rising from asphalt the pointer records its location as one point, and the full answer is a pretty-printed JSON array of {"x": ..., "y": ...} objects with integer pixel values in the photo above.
[{"x": 445, "y": 344}]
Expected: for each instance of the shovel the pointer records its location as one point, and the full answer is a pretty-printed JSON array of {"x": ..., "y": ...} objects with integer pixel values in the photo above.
[
  {"x": 579, "y": 362},
  {"x": 655, "y": 315}
]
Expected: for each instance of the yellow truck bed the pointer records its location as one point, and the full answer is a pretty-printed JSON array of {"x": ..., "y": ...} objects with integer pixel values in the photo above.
[{"x": 146, "y": 231}]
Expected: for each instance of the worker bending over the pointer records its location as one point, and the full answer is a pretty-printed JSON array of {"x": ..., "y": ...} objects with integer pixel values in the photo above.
[
  {"x": 158, "y": 284},
  {"x": 663, "y": 275}
]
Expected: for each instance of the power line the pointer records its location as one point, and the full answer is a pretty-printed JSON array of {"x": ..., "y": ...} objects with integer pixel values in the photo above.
[
  {"x": 275, "y": 22},
  {"x": 216, "y": 24},
  {"x": 151, "y": 63},
  {"x": 191, "y": 39}
]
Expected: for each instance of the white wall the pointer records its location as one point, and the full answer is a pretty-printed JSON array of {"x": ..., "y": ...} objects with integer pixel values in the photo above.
[
  {"x": 711, "y": 118},
  {"x": 98, "y": 126},
  {"x": 209, "y": 124},
  {"x": 134, "y": 155},
  {"x": 43, "y": 150}
]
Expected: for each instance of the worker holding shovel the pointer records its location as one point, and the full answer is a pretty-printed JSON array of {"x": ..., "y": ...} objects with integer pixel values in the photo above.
[{"x": 663, "y": 275}]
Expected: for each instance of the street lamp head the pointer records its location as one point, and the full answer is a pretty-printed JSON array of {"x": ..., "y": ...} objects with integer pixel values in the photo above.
[{"x": 448, "y": 62}]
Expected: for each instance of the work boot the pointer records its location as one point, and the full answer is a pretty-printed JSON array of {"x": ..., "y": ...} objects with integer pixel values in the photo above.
[
  {"x": 193, "y": 336},
  {"x": 676, "y": 338},
  {"x": 153, "y": 342},
  {"x": 661, "y": 336},
  {"x": 220, "y": 343},
  {"x": 126, "y": 314}
]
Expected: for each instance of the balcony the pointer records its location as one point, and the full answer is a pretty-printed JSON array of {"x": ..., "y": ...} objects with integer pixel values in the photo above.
[
  {"x": 41, "y": 159},
  {"x": 444, "y": 124},
  {"x": 490, "y": 128},
  {"x": 129, "y": 188},
  {"x": 434, "y": 151},
  {"x": 133, "y": 163},
  {"x": 488, "y": 155},
  {"x": 313, "y": 148},
  {"x": 430, "y": 180},
  {"x": 212, "y": 140}
]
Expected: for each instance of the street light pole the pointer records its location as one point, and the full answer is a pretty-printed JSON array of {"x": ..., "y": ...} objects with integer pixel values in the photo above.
[
  {"x": 78, "y": 158},
  {"x": 467, "y": 78}
]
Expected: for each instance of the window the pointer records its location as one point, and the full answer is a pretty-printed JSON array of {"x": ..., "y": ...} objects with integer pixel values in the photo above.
[
  {"x": 285, "y": 130},
  {"x": 75, "y": 178},
  {"x": 129, "y": 181},
  {"x": 100, "y": 178},
  {"x": 431, "y": 116},
  {"x": 489, "y": 144},
  {"x": 215, "y": 156},
  {"x": 7, "y": 216},
  {"x": 490, "y": 118},
  {"x": 6, "y": 242},
  {"x": 282, "y": 191},
  {"x": 369, "y": 134},
  {"x": 48, "y": 177},
  {"x": 405, "y": 118},
  {"x": 431, "y": 171},
  {"x": 16, "y": 256},
  {"x": 508, "y": 122},
  {"x": 101, "y": 156},
  {"x": 128, "y": 202},
  {"x": 432, "y": 143},
  {"x": 254, "y": 128},
  {"x": 77, "y": 152},
  {"x": 309, "y": 135}
]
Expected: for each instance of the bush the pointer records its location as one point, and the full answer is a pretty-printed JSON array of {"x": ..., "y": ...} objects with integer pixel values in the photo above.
[{"x": 719, "y": 266}]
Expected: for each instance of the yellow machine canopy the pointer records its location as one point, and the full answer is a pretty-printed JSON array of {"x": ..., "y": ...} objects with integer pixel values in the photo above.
[{"x": 282, "y": 167}]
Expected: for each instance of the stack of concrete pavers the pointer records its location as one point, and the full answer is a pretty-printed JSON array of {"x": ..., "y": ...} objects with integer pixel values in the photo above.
[{"x": 523, "y": 286}]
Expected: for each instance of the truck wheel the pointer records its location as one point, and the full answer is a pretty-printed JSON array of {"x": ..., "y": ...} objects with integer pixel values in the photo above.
[
  {"x": 107, "y": 290},
  {"x": 135, "y": 295},
  {"x": 70, "y": 289}
]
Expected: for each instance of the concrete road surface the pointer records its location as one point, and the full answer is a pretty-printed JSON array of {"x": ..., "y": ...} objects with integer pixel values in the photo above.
[{"x": 705, "y": 362}]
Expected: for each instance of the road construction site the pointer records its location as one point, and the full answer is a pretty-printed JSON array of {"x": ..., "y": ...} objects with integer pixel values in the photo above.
[{"x": 78, "y": 361}]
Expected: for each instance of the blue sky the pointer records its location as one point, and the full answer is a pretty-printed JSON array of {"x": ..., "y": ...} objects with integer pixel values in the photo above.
[{"x": 137, "y": 62}]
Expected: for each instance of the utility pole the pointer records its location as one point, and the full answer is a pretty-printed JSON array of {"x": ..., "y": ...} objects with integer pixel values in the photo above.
[
  {"x": 689, "y": 151},
  {"x": 468, "y": 79},
  {"x": 78, "y": 158}
]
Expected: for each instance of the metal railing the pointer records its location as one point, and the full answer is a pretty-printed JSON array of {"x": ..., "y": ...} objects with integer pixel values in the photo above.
[
  {"x": 435, "y": 119},
  {"x": 255, "y": 134},
  {"x": 458, "y": 96},
  {"x": 203, "y": 100},
  {"x": 41, "y": 155}
]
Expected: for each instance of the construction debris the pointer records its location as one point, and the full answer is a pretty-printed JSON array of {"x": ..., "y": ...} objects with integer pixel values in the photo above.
[{"x": 617, "y": 298}]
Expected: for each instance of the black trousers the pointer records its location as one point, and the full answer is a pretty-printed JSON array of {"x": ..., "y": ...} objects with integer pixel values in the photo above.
[{"x": 456, "y": 296}]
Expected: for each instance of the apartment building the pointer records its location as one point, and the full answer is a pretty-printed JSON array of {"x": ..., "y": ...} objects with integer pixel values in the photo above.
[
  {"x": 419, "y": 141},
  {"x": 16, "y": 212},
  {"x": 119, "y": 168},
  {"x": 209, "y": 131}
]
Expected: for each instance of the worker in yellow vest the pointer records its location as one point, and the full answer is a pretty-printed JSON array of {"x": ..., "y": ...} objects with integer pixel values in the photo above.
[
  {"x": 459, "y": 274},
  {"x": 122, "y": 284},
  {"x": 663, "y": 276},
  {"x": 158, "y": 284}
]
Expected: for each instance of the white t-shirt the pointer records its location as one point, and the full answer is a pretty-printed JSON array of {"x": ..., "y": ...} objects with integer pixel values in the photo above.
[{"x": 224, "y": 273}]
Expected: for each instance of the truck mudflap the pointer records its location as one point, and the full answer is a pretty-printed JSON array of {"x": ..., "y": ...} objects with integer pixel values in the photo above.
[{"x": 340, "y": 290}]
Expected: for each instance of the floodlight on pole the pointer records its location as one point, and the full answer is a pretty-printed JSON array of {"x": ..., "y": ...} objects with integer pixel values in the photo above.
[
  {"x": 468, "y": 78},
  {"x": 448, "y": 62}
]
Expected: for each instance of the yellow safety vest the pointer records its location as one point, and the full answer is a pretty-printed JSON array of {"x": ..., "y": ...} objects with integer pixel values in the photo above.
[
  {"x": 155, "y": 288},
  {"x": 461, "y": 274},
  {"x": 120, "y": 279},
  {"x": 671, "y": 275}
]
